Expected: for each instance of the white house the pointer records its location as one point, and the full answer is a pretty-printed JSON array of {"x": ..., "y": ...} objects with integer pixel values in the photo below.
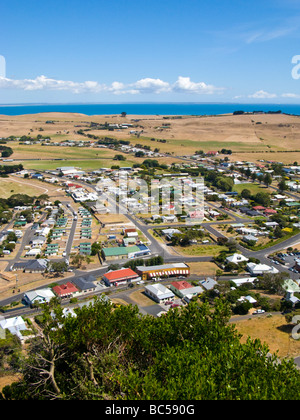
[
  {"x": 33, "y": 252},
  {"x": 14, "y": 325},
  {"x": 236, "y": 258},
  {"x": 248, "y": 298},
  {"x": 159, "y": 292},
  {"x": 38, "y": 296},
  {"x": 259, "y": 269}
]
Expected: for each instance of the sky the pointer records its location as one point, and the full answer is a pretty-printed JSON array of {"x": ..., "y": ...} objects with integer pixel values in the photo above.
[{"x": 120, "y": 51}]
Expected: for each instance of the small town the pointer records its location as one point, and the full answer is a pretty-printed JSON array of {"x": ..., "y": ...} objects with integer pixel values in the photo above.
[
  {"x": 149, "y": 203},
  {"x": 76, "y": 247}
]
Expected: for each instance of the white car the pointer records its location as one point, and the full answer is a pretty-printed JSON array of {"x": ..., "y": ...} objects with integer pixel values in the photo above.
[{"x": 258, "y": 311}]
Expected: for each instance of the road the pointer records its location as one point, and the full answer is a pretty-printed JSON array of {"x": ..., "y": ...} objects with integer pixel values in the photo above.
[{"x": 158, "y": 248}]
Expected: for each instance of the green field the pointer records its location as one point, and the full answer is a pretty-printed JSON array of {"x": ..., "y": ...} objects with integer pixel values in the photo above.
[
  {"x": 88, "y": 164},
  {"x": 253, "y": 188}
]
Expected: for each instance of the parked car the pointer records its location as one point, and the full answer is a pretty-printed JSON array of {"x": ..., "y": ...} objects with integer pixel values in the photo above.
[
  {"x": 174, "y": 305},
  {"x": 258, "y": 311}
]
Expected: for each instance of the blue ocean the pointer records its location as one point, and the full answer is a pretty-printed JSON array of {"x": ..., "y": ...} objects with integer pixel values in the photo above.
[{"x": 148, "y": 108}]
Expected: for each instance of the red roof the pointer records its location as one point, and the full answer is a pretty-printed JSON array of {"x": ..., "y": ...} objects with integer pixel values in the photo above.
[
  {"x": 270, "y": 211},
  {"x": 180, "y": 285},
  {"x": 65, "y": 289},
  {"x": 119, "y": 275},
  {"x": 259, "y": 208}
]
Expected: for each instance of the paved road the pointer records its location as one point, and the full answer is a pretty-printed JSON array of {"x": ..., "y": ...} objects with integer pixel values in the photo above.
[{"x": 157, "y": 248}]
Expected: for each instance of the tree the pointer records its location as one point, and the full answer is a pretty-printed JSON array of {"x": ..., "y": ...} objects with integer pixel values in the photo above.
[
  {"x": 242, "y": 308},
  {"x": 263, "y": 199},
  {"x": 123, "y": 114},
  {"x": 77, "y": 260},
  {"x": 96, "y": 248},
  {"x": 59, "y": 267},
  {"x": 246, "y": 193},
  {"x": 267, "y": 179},
  {"x": 282, "y": 185},
  {"x": 118, "y": 354}
]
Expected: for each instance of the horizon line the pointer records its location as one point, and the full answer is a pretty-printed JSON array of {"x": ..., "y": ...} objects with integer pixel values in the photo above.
[{"x": 145, "y": 103}]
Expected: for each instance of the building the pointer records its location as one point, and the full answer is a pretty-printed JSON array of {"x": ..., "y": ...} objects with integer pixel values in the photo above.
[
  {"x": 31, "y": 266},
  {"x": 244, "y": 280},
  {"x": 124, "y": 252},
  {"x": 130, "y": 232},
  {"x": 38, "y": 296},
  {"x": 14, "y": 325},
  {"x": 85, "y": 284},
  {"x": 185, "y": 290},
  {"x": 166, "y": 270},
  {"x": 159, "y": 293},
  {"x": 123, "y": 276},
  {"x": 236, "y": 258},
  {"x": 65, "y": 290},
  {"x": 259, "y": 269},
  {"x": 208, "y": 283}
]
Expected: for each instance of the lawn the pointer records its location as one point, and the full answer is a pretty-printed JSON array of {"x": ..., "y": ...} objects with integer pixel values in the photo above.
[
  {"x": 88, "y": 164},
  {"x": 254, "y": 188},
  {"x": 9, "y": 187}
]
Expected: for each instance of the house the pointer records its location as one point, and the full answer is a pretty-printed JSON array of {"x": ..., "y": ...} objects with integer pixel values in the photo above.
[
  {"x": 33, "y": 252},
  {"x": 259, "y": 269},
  {"x": 169, "y": 219},
  {"x": 31, "y": 266},
  {"x": 250, "y": 238},
  {"x": 239, "y": 282},
  {"x": 65, "y": 290},
  {"x": 247, "y": 298},
  {"x": 236, "y": 258},
  {"x": 85, "y": 284},
  {"x": 185, "y": 290},
  {"x": 14, "y": 325},
  {"x": 123, "y": 276},
  {"x": 165, "y": 270},
  {"x": 168, "y": 233},
  {"x": 259, "y": 208},
  {"x": 208, "y": 283},
  {"x": 269, "y": 212},
  {"x": 39, "y": 241},
  {"x": 38, "y": 296},
  {"x": 130, "y": 232},
  {"x": 159, "y": 293},
  {"x": 85, "y": 248}
]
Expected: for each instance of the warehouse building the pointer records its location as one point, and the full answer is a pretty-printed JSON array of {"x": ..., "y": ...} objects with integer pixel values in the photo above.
[{"x": 166, "y": 270}]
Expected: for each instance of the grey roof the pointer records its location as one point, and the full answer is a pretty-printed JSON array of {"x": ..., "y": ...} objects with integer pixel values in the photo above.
[
  {"x": 208, "y": 284},
  {"x": 40, "y": 264},
  {"x": 85, "y": 282}
]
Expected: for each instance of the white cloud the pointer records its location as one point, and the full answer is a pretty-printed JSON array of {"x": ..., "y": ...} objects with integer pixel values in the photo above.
[
  {"x": 142, "y": 86},
  {"x": 44, "y": 83},
  {"x": 261, "y": 94},
  {"x": 184, "y": 84},
  {"x": 290, "y": 95}
]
